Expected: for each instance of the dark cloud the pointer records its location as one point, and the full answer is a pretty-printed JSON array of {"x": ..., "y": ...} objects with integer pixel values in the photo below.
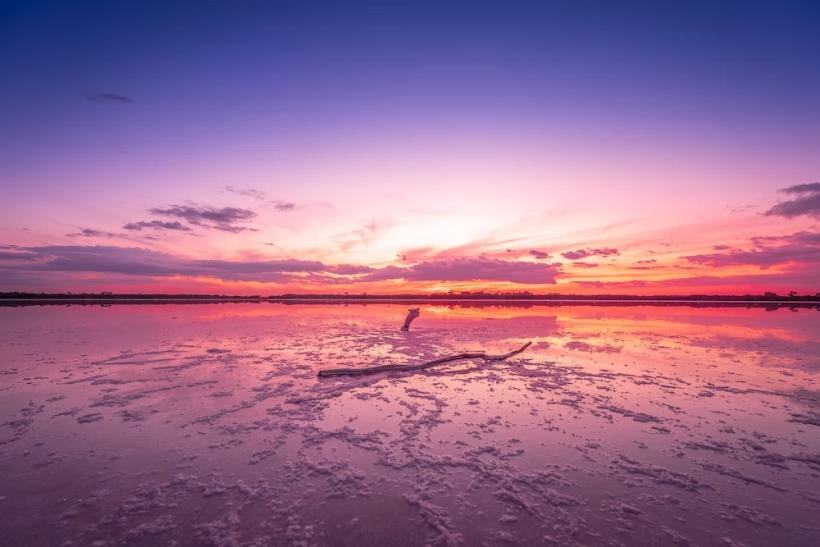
[
  {"x": 280, "y": 205},
  {"x": 144, "y": 262},
  {"x": 257, "y": 270},
  {"x": 802, "y": 188},
  {"x": 805, "y": 202},
  {"x": 585, "y": 264},
  {"x": 768, "y": 251},
  {"x": 17, "y": 255},
  {"x": 227, "y": 219},
  {"x": 157, "y": 225},
  {"x": 136, "y": 261},
  {"x": 647, "y": 261},
  {"x": 470, "y": 269},
  {"x": 585, "y": 253},
  {"x": 89, "y": 232},
  {"x": 109, "y": 98},
  {"x": 540, "y": 255}
]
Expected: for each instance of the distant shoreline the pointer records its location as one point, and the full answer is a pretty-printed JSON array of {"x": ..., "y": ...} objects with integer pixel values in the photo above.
[{"x": 17, "y": 300}]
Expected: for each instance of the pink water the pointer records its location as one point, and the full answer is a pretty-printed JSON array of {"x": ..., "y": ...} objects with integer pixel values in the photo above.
[{"x": 206, "y": 424}]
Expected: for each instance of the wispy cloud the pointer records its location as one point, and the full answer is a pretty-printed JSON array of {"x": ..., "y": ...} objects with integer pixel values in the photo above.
[
  {"x": 90, "y": 232},
  {"x": 363, "y": 236},
  {"x": 248, "y": 192},
  {"x": 107, "y": 97},
  {"x": 260, "y": 195},
  {"x": 280, "y": 205}
]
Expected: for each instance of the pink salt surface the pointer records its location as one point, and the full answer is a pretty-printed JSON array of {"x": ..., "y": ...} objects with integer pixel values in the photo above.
[{"x": 207, "y": 424}]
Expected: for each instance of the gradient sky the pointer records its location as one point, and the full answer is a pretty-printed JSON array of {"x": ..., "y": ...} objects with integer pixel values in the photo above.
[{"x": 267, "y": 147}]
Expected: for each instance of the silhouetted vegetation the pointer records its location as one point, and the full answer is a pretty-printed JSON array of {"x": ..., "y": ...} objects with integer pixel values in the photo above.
[{"x": 474, "y": 298}]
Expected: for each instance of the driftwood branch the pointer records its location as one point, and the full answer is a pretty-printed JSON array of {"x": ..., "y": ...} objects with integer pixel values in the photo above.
[
  {"x": 412, "y": 313},
  {"x": 420, "y": 366}
]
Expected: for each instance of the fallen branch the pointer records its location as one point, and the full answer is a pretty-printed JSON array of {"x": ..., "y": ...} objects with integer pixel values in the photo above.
[
  {"x": 412, "y": 313},
  {"x": 420, "y": 366}
]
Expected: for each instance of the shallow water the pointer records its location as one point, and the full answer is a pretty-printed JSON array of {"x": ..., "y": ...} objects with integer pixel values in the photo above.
[{"x": 206, "y": 424}]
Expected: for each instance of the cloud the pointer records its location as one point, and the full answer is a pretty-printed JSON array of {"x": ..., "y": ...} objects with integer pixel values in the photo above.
[
  {"x": 768, "y": 251},
  {"x": 157, "y": 225},
  {"x": 280, "y": 205},
  {"x": 803, "y": 279},
  {"x": 802, "y": 188},
  {"x": 257, "y": 270},
  {"x": 137, "y": 261},
  {"x": 585, "y": 253},
  {"x": 585, "y": 264},
  {"x": 259, "y": 195},
  {"x": 89, "y": 232},
  {"x": 540, "y": 255},
  {"x": 363, "y": 236},
  {"x": 411, "y": 256},
  {"x": 349, "y": 269},
  {"x": 249, "y": 192},
  {"x": 106, "y": 97},
  {"x": 806, "y": 202},
  {"x": 226, "y": 219},
  {"x": 470, "y": 269},
  {"x": 24, "y": 255}
]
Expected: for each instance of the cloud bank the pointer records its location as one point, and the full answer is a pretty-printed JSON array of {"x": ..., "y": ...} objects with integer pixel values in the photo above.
[
  {"x": 768, "y": 251},
  {"x": 136, "y": 261}
]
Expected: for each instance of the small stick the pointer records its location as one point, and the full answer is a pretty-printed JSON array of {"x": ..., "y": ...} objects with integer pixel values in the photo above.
[
  {"x": 412, "y": 313},
  {"x": 421, "y": 366}
]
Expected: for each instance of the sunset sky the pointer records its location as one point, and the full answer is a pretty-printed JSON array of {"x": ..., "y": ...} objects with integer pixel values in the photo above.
[{"x": 398, "y": 147}]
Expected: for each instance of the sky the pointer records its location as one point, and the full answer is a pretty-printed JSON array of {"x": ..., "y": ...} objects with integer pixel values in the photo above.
[{"x": 244, "y": 147}]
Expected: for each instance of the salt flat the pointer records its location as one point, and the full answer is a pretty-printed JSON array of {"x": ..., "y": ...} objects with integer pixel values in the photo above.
[{"x": 207, "y": 424}]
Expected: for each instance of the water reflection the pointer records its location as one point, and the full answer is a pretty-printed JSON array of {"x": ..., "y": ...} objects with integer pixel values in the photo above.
[{"x": 632, "y": 424}]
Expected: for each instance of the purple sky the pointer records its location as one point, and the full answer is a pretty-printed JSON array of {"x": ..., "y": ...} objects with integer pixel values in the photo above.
[{"x": 560, "y": 146}]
